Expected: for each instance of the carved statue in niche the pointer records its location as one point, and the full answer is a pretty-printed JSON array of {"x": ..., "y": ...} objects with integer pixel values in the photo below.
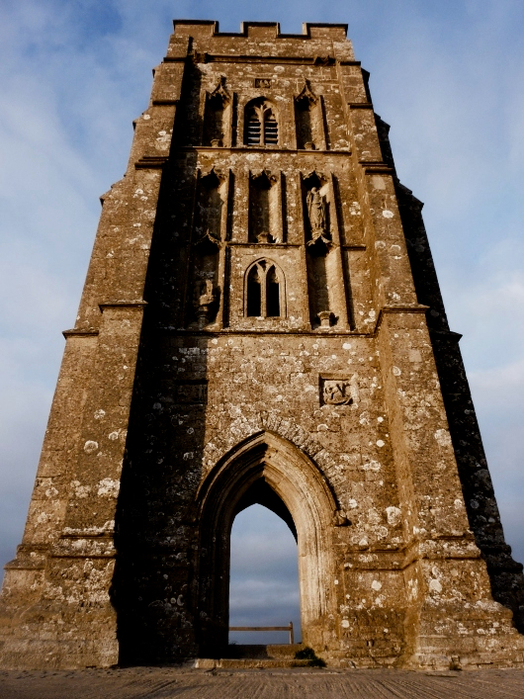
[
  {"x": 316, "y": 208},
  {"x": 209, "y": 210},
  {"x": 207, "y": 237},
  {"x": 205, "y": 296}
]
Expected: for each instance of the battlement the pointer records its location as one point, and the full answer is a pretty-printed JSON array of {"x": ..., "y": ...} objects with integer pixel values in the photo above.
[
  {"x": 314, "y": 36},
  {"x": 257, "y": 30}
]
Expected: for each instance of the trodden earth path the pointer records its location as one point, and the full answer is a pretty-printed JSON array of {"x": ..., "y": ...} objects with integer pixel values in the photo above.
[{"x": 167, "y": 682}]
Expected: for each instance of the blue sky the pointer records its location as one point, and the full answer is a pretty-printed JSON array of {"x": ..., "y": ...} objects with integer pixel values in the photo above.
[{"x": 447, "y": 76}]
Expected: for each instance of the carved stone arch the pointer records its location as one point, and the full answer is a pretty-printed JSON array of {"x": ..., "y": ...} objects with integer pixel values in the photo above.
[
  {"x": 314, "y": 178},
  {"x": 211, "y": 176},
  {"x": 259, "y": 279},
  {"x": 307, "y": 94},
  {"x": 263, "y": 177},
  {"x": 261, "y": 464},
  {"x": 288, "y": 429},
  {"x": 261, "y": 123},
  {"x": 220, "y": 95}
]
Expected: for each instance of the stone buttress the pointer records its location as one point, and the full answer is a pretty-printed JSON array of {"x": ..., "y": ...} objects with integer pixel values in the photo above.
[{"x": 261, "y": 322}]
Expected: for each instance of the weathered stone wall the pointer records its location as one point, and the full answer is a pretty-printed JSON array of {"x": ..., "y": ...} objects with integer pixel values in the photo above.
[{"x": 254, "y": 328}]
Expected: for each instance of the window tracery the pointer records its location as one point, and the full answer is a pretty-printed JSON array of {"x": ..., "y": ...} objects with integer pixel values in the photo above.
[
  {"x": 264, "y": 293},
  {"x": 261, "y": 125}
]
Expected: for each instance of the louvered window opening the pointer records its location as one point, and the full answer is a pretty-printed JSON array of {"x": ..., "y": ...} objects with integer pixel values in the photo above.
[
  {"x": 262, "y": 128},
  {"x": 271, "y": 131},
  {"x": 253, "y": 131}
]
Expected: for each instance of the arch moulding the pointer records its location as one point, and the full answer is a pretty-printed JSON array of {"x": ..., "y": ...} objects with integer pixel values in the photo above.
[{"x": 299, "y": 483}]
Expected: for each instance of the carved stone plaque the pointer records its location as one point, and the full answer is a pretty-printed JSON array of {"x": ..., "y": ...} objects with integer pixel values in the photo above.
[
  {"x": 263, "y": 82},
  {"x": 339, "y": 391}
]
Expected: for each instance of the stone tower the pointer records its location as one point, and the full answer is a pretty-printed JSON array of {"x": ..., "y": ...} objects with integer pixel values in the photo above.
[{"x": 261, "y": 322}]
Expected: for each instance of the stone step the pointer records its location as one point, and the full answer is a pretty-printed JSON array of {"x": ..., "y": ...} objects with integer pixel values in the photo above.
[
  {"x": 247, "y": 663},
  {"x": 284, "y": 650},
  {"x": 263, "y": 652},
  {"x": 255, "y": 656}
]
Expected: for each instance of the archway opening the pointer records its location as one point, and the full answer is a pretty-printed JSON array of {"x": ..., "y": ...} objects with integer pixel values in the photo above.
[
  {"x": 264, "y": 585},
  {"x": 267, "y": 470}
]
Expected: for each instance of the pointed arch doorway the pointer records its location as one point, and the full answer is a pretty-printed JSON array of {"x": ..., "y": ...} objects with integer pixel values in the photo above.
[{"x": 268, "y": 470}]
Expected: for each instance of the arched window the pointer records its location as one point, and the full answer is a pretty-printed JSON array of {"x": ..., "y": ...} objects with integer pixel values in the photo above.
[
  {"x": 264, "y": 291},
  {"x": 261, "y": 126}
]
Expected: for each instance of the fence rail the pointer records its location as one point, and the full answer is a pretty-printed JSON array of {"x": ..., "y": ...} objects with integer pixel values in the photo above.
[{"x": 288, "y": 628}]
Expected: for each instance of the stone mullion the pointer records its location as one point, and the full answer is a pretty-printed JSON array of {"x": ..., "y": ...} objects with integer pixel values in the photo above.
[
  {"x": 221, "y": 266},
  {"x": 278, "y": 226},
  {"x": 241, "y": 209},
  {"x": 229, "y": 112},
  {"x": 263, "y": 290},
  {"x": 224, "y": 319}
]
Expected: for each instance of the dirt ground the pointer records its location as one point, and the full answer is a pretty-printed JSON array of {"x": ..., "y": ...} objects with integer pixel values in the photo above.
[{"x": 164, "y": 683}]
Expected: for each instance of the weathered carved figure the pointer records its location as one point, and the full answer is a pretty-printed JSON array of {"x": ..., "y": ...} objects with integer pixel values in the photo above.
[
  {"x": 337, "y": 393},
  {"x": 316, "y": 208},
  {"x": 205, "y": 296}
]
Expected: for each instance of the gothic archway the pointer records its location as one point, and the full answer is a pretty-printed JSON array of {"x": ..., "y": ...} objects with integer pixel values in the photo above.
[{"x": 270, "y": 470}]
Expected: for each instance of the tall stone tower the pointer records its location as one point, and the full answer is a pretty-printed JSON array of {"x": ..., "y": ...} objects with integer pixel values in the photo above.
[{"x": 261, "y": 322}]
